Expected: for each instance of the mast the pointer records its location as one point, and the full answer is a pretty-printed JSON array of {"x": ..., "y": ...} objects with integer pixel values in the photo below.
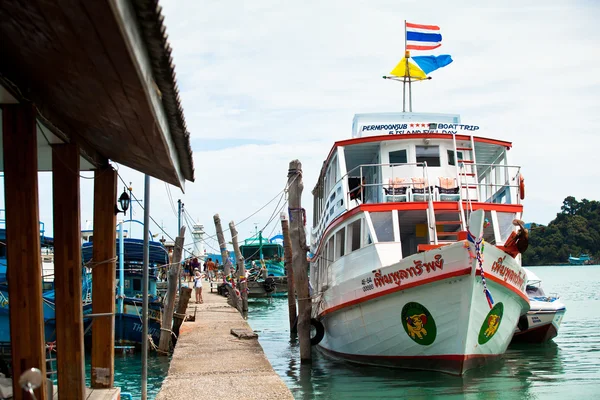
[{"x": 404, "y": 79}]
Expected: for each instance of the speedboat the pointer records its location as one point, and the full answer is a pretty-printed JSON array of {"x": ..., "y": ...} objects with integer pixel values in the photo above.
[{"x": 542, "y": 321}]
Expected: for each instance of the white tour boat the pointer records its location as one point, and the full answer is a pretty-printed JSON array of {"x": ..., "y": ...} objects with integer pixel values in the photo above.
[
  {"x": 415, "y": 252},
  {"x": 542, "y": 321}
]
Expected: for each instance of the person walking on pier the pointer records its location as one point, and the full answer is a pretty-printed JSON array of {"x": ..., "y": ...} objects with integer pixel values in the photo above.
[
  {"x": 198, "y": 285},
  {"x": 210, "y": 266}
]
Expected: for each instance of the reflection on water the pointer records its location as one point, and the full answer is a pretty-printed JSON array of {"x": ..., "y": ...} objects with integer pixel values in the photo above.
[{"x": 565, "y": 368}]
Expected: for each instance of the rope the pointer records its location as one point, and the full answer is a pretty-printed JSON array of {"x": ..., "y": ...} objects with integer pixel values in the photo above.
[
  {"x": 170, "y": 331},
  {"x": 479, "y": 247}
]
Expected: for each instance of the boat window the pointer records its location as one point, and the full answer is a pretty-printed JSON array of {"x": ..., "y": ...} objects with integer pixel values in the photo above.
[
  {"x": 398, "y": 157},
  {"x": 428, "y": 154},
  {"x": 330, "y": 251},
  {"x": 340, "y": 243},
  {"x": 505, "y": 225},
  {"x": 383, "y": 225},
  {"x": 354, "y": 235},
  {"x": 137, "y": 285},
  {"x": 451, "y": 160}
]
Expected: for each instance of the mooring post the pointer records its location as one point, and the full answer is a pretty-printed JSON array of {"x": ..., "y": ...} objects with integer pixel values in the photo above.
[
  {"x": 164, "y": 345},
  {"x": 241, "y": 268},
  {"x": 299, "y": 260},
  {"x": 234, "y": 301},
  {"x": 287, "y": 249}
]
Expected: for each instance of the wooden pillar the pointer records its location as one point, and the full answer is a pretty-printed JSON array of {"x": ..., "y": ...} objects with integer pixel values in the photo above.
[
  {"x": 164, "y": 344},
  {"x": 234, "y": 299},
  {"x": 287, "y": 251},
  {"x": 103, "y": 277},
  {"x": 241, "y": 268},
  {"x": 24, "y": 263},
  {"x": 299, "y": 261},
  {"x": 67, "y": 271}
]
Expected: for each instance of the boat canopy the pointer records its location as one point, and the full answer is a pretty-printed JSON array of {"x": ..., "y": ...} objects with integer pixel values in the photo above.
[
  {"x": 531, "y": 277},
  {"x": 134, "y": 251}
]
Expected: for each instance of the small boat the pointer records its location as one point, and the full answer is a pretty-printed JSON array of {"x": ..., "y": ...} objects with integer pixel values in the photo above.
[
  {"x": 583, "y": 259},
  {"x": 128, "y": 315},
  {"x": 264, "y": 266},
  {"x": 542, "y": 321}
]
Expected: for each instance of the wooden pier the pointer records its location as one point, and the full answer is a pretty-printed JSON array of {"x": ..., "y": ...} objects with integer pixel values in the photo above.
[{"x": 210, "y": 362}]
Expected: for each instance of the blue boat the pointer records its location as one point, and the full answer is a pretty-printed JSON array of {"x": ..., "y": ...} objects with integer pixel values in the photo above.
[
  {"x": 128, "y": 317},
  {"x": 48, "y": 295},
  {"x": 583, "y": 259},
  {"x": 264, "y": 260}
]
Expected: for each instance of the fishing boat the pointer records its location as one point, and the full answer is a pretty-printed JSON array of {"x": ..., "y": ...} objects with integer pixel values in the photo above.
[
  {"x": 542, "y": 321},
  {"x": 128, "y": 316},
  {"x": 583, "y": 259},
  {"x": 264, "y": 262}
]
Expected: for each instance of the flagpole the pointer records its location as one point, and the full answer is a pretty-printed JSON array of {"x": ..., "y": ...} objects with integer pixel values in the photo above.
[
  {"x": 404, "y": 78},
  {"x": 407, "y": 74}
]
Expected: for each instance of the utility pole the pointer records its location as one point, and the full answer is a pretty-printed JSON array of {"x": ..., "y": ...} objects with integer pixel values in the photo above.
[
  {"x": 299, "y": 261},
  {"x": 179, "y": 210},
  {"x": 146, "y": 259}
]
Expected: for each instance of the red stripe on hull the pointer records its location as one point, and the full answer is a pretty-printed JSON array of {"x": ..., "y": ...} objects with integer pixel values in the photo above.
[
  {"x": 461, "y": 272},
  {"x": 455, "y": 364},
  {"x": 500, "y": 282},
  {"x": 539, "y": 334}
]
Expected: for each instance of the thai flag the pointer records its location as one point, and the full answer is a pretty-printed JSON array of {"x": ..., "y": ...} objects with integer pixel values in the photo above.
[{"x": 422, "y": 37}]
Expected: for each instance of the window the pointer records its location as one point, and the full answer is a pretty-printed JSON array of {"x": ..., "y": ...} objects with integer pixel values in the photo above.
[
  {"x": 398, "y": 157},
  {"x": 428, "y": 154},
  {"x": 137, "y": 285},
  {"x": 354, "y": 235},
  {"x": 451, "y": 160},
  {"x": 340, "y": 243},
  {"x": 382, "y": 223}
]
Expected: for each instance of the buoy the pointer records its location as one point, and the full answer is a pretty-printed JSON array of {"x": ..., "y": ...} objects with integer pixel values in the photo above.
[{"x": 521, "y": 187}]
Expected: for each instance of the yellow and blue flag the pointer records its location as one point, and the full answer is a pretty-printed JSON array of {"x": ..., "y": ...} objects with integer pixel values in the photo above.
[{"x": 431, "y": 63}]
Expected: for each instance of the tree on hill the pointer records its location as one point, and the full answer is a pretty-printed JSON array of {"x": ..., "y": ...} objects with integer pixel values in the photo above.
[{"x": 575, "y": 230}]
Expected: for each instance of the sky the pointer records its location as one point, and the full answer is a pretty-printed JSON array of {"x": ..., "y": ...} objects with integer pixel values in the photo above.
[{"x": 266, "y": 82}]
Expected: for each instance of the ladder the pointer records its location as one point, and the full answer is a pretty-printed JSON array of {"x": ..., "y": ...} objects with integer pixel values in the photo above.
[{"x": 466, "y": 168}]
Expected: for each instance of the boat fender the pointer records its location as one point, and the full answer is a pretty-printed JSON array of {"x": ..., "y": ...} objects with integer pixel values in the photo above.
[
  {"x": 269, "y": 285},
  {"x": 523, "y": 324},
  {"x": 320, "y": 332},
  {"x": 521, "y": 187}
]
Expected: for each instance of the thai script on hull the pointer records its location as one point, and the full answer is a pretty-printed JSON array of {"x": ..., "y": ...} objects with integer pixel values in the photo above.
[
  {"x": 417, "y": 269},
  {"x": 517, "y": 279}
]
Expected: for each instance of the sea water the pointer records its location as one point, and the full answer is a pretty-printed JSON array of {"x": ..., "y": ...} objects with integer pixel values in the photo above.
[{"x": 567, "y": 367}]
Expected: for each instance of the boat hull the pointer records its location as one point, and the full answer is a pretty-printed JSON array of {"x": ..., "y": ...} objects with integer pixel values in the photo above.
[
  {"x": 428, "y": 311},
  {"x": 543, "y": 322}
]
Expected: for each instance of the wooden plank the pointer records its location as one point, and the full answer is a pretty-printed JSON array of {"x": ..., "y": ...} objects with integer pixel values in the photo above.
[
  {"x": 67, "y": 271},
  {"x": 241, "y": 268},
  {"x": 24, "y": 262},
  {"x": 104, "y": 278}
]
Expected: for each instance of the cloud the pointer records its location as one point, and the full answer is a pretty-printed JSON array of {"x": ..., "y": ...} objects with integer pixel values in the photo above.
[{"x": 266, "y": 82}]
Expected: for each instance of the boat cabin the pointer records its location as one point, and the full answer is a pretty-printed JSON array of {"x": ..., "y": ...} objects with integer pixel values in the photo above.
[{"x": 411, "y": 179}]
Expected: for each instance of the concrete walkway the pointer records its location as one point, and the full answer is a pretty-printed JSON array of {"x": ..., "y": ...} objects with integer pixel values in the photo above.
[{"x": 210, "y": 363}]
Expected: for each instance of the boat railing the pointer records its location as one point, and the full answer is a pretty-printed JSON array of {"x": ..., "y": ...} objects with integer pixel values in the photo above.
[{"x": 496, "y": 183}]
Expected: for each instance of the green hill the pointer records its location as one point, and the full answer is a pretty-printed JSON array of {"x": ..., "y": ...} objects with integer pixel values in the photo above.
[{"x": 575, "y": 230}]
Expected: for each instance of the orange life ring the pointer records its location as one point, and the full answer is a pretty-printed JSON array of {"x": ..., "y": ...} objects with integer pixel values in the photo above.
[{"x": 521, "y": 187}]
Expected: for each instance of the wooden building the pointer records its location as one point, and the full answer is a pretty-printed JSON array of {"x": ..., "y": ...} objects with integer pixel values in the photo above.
[{"x": 82, "y": 83}]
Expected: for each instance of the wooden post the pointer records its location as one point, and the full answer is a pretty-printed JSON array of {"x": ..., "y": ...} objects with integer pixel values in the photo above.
[
  {"x": 234, "y": 300},
  {"x": 103, "y": 277},
  {"x": 241, "y": 268},
  {"x": 287, "y": 249},
  {"x": 184, "y": 297},
  {"x": 299, "y": 261},
  {"x": 67, "y": 271},
  {"x": 24, "y": 269},
  {"x": 173, "y": 278}
]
